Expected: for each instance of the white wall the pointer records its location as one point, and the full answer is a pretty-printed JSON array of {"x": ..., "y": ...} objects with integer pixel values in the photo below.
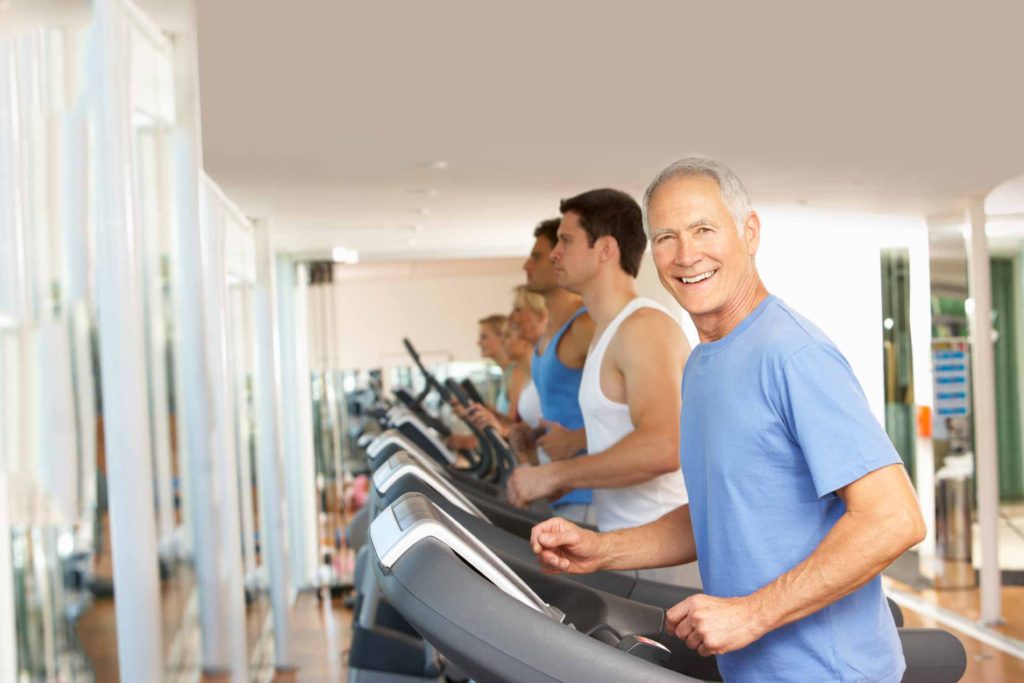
[
  {"x": 825, "y": 265},
  {"x": 434, "y": 303}
]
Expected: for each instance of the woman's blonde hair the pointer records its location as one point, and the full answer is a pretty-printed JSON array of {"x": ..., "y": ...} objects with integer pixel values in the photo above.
[
  {"x": 497, "y": 323},
  {"x": 527, "y": 300}
]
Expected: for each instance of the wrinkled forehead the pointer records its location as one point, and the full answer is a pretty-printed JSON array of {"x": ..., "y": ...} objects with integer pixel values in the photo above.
[{"x": 684, "y": 198}]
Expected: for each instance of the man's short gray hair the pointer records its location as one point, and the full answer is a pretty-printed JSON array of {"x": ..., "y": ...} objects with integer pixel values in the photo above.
[{"x": 733, "y": 193}]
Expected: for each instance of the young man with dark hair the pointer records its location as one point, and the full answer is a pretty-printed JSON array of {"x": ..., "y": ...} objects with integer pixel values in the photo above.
[
  {"x": 629, "y": 391},
  {"x": 557, "y": 367}
]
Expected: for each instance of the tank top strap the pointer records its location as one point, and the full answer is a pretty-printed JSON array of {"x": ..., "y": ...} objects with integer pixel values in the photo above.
[
  {"x": 597, "y": 351},
  {"x": 565, "y": 328}
]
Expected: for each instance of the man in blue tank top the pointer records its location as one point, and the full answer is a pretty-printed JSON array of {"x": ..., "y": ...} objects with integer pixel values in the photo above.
[
  {"x": 557, "y": 366},
  {"x": 797, "y": 497}
]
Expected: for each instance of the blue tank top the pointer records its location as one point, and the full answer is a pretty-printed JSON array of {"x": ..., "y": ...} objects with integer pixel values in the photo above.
[{"x": 559, "y": 389}]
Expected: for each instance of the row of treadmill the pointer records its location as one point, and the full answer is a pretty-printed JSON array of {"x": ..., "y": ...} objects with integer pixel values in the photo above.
[{"x": 448, "y": 588}]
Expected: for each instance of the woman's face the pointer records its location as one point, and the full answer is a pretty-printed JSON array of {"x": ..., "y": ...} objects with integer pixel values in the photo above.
[
  {"x": 531, "y": 324},
  {"x": 516, "y": 345},
  {"x": 490, "y": 343}
]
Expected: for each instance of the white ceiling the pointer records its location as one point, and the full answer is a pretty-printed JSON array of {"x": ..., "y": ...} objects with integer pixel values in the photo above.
[{"x": 325, "y": 115}]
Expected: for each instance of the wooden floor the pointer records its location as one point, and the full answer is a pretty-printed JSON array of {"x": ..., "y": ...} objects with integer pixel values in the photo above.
[
  {"x": 985, "y": 664},
  {"x": 321, "y": 633}
]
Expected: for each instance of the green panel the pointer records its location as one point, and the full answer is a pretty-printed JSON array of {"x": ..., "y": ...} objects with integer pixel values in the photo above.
[
  {"x": 896, "y": 353},
  {"x": 1006, "y": 308}
]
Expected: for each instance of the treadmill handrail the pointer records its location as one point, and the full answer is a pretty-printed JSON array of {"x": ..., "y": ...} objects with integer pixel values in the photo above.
[{"x": 390, "y": 542}]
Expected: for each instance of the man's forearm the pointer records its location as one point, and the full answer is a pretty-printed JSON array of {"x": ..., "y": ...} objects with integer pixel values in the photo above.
[
  {"x": 636, "y": 458},
  {"x": 665, "y": 542},
  {"x": 856, "y": 549},
  {"x": 578, "y": 439}
]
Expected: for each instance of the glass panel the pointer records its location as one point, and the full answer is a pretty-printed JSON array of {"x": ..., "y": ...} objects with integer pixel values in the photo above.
[{"x": 898, "y": 361}]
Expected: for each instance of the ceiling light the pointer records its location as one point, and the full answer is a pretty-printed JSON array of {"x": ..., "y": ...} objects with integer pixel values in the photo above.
[
  {"x": 416, "y": 228},
  {"x": 437, "y": 165},
  {"x": 429, "y": 192},
  {"x": 411, "y": 241},
  {"x": 343, "y": 255}
]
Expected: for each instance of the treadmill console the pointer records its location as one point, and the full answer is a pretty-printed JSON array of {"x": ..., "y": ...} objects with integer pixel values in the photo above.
[
  {"x": 405, "y": 417},
  {"x": 388, "y": 437},
  {"x": 403, "y": 464},
  {"x": 414, "y": 517}
]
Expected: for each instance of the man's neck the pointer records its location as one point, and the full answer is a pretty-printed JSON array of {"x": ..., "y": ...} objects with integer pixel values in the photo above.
[
  {"x": 714, "y": 326},
  {"x": 561, "y": 305},
  {"x": 605, "y": 296},
  {"x": 501, "y": 360}
]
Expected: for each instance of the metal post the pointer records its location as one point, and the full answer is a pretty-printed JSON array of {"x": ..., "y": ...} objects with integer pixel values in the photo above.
[
  {"x": 298, "y": 465},
  {"x": 269, "y": 446},
  {"x": 305, "y": 456},
  {"x": 123, "y": 372},
  {"x": 212, "y": 490},
  {"x": 983, "y": 384}
]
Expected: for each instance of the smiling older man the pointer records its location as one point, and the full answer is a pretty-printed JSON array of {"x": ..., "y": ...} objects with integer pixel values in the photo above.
[{"x": 797, "y": 498}]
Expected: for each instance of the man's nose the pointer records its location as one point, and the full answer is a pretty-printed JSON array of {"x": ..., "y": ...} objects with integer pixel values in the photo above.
[{"x": 687, "y": 253}]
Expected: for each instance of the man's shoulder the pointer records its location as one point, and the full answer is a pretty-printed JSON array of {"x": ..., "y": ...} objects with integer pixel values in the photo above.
[
  {"x": 784, "y": 333},
  {"x": 649, "y": 324},
  {"x": 582, "y": 326}
]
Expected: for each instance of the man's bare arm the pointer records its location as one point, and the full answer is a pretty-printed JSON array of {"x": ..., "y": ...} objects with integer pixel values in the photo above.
[
  {"x": 561, "y": 546},
  {"x": 649, "y": 351},
  {"x": 882, "y": 521}
]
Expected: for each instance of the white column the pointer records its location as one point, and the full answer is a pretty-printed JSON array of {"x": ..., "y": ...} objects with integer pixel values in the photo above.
[
  {"x": 231, "y": 574},
  {"x": 123, "y": 373},
  {"x": 274, "y": 505},
  {"x": 238, "y": 340},
  {"x": 8, "y": 650},
  {"x": 212, "y": 488},
  {"x": 921, "y": 350},
  {"x": 983, "y": 385},
  {"x": 156, "y": 346},
  {"x": 300, "y": 475}
]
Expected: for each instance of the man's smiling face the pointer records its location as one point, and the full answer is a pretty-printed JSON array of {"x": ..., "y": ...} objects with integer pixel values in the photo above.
[{"x": 701, "y": 257}]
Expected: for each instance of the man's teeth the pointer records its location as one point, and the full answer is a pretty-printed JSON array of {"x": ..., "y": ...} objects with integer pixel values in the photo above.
[{"x": 697, "y": 278}]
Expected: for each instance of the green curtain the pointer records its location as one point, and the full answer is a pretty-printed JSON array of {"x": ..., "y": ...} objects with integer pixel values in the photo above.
[{"x": 1006, "y": 309}]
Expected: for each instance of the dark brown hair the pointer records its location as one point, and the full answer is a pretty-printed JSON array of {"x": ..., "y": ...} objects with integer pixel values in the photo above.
[
  {"x": 613, "y": 214},
  {"x": 549, "y": 230}
]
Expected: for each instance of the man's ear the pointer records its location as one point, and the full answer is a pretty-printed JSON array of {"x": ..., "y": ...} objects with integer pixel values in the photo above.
[
  {"x": 607, "y": 248},
  {"x": 752, "y": 232}
]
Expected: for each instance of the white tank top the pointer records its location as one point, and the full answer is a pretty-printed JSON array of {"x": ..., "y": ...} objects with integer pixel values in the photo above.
[
  {"x": 607, "y": 422},
  {"x": 529, "y": 411}
]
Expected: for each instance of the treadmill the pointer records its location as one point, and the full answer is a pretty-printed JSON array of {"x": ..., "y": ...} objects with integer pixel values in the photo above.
[{"x": 499, "y": 623}]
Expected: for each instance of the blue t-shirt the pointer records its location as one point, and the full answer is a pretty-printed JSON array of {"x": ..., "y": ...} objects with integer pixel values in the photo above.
[{"x": 773, "y": 422}]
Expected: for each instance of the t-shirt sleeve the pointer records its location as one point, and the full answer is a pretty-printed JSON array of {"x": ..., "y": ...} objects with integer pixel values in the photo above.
[{"x": 827, "y": 414}]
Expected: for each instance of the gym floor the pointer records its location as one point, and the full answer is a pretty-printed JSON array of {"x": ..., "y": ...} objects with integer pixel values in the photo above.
[{"x": 321, "y": 633}]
